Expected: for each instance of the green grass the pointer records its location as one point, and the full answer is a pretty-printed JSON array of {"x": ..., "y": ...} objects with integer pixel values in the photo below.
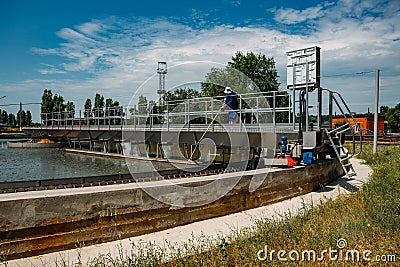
[{"x": 368, "y": 219}]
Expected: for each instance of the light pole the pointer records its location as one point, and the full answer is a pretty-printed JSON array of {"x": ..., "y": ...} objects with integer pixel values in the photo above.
[
  {"x": 162, "y": 71},
  {"x": 374, "y": 148}
]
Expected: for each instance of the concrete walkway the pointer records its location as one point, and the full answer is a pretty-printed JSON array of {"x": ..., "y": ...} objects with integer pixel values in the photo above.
[{"x": 212, "y": 228}]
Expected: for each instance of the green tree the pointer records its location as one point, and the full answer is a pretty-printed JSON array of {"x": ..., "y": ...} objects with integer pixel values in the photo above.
[
  {"x": 383, "y": 110},
  {"x": 109, "y": 107},
  {"x": 58, "y": 103},
  {"x": 58, "y": 109},
  {"x": 28, "y": 119},
  {"x": 12, "y": 122},
  {"x": 3, "y": 117},
  {"x": 109, "y": 103},
  {"x": 393, "y": 118},
  {"x": 70, "y": 106},
  {"x": 259, "y": 68},
  {"x": 248, "y": 73},
  {"x": 181, "y": 94},
  {"x": 118, "y": 111},
  {"x": 70, "y": 109},
  {"x": 142, "y": 105},
  {"x": 46, "y": 106},
  {"x": 88, "y": 108},
  {"x": 98, "y": 105},
  {"x": 243, "y": 73},
  {"x": 217, "y": 79}
]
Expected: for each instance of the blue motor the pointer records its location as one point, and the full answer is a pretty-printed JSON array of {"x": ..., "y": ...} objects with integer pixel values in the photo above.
[{"x": 283, "y": 144}]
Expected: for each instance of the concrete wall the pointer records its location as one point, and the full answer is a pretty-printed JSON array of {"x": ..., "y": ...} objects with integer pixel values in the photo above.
[{"x": 36, "y": 222}]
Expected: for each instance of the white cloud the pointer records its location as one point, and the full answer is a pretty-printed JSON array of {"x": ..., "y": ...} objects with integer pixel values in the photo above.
[
  {"x": 118, "y": 55},
  {"x": 294, "y": 16},
  {"x": 51, "y": 69}
]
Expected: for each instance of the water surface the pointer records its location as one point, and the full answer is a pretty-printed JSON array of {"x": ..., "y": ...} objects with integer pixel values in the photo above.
[{"x": 18, "y": 164}]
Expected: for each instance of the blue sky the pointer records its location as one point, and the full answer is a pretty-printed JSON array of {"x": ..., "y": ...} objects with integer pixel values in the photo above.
[{"x": 78, "y": 48}]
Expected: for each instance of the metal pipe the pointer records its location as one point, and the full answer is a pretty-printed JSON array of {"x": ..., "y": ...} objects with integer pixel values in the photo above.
[
  {"x": 294, "y": 97},
  {"x": 319, "y": 108},
  {"x": 306, "y": 104}
]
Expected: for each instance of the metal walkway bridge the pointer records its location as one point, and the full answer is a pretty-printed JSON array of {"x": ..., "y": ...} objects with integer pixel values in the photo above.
[
  {"x": 261, "y": 117},
  {"x": 258, "y": 112}
]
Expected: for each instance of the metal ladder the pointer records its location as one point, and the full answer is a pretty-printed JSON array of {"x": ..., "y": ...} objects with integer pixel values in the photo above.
[{"x": 336, "y": 134}]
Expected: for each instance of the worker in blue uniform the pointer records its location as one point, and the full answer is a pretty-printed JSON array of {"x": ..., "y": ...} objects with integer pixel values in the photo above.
[{"x": 231, "y": 102}]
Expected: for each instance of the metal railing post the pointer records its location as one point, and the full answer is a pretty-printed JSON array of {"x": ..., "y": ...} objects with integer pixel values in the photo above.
[
  {"x": 330, "y": 109},
  {"x": 240, "y": 112},
  {"x": 257, "y": 113},
  {"x": 273, "y": 110},
  {"x": 188, "y": 113},
  {"x": 289, "y": 117},
  {"x": 212, "y": 112},
  {"x": 206, "y": 111},
  {"x": 134, "y": 117},
  {"x": 294, "y": 97},
  {"x": 167, "y": 116}
]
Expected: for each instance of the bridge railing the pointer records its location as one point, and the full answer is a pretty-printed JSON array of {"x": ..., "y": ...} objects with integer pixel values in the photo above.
[{"x": 273, "y": 108}]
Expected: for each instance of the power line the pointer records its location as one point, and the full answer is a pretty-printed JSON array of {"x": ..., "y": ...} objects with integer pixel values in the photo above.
[
  {"x": 349, "y": 74},
  {"x": 17, "y": 104}
]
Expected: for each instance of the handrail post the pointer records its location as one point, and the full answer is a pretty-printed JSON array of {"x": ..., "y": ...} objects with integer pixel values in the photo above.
[
  {"x": 330, "y": 109},
  {"x": 134, "y": 117},
  {"x": 257, "y": 113},
  {"x": 294, "y": 97},
  {"x": 273, "y": 110},
  {"x": 240, "y": 112},
  {"x": 188, "y": 113},
  {"x": 212, "y": 112},
  {"x": 319, "y": 108},
  {"x": 167, "y": 116},
  {"x": 206, "y": 111}
]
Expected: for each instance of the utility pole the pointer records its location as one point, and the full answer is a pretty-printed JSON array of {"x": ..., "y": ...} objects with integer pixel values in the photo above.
[
  {"x": 20, "y": 116},
  {"x": 376, "y": 112}
]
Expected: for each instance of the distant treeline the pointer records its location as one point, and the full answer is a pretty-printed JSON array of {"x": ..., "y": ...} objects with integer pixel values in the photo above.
[
  {"x": 55, "y": 105},
  {"x": 12, "y": 121}
]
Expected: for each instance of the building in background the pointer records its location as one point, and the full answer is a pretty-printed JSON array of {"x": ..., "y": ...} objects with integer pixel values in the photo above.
[{"x": 365, "y": 122}]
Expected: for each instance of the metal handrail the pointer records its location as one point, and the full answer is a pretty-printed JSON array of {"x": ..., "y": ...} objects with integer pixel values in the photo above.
[
  {"x": 144, "y": 114},
  {"x": 354, "y": 128}
]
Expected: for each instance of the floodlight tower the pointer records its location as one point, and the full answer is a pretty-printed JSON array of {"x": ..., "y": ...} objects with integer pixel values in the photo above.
[{"x": 162, "y": 71}]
